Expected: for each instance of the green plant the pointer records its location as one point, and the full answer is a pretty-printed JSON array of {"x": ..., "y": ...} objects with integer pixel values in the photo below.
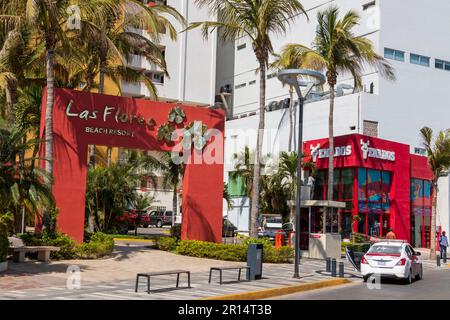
[
  {"x": 166, "y": 243},
  {"x": 4, "y": 244},
  {"x": 175, "y": 231},
  {"x": 177, "y": 115},
  {"x": 100, "y": 245}
]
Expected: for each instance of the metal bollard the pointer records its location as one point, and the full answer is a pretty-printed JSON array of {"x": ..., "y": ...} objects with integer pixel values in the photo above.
[
  {"x": 341, "y": 270},
  {"x": 333, "y": 268},
  {"x": 438, "y": 260},
  {"x": 328, "y": 264},
  {"x": 445, "y": 258}
]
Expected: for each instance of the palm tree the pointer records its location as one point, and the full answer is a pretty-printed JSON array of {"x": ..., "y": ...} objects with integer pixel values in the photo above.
[
  {"x": 438, "y": 153},
  {"x": 336, "y": 49},
  {"x": 227, "y": 196},
  {"x": 244, "y": 169},
  {"x": 258, "y": 20},
  {"x": 21, "y": 186}
]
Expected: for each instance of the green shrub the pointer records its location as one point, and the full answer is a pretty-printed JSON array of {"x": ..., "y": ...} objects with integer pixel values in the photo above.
[
  {"x": 166, "y": 243},
  {"x": 175, "y": 231},
  {"x": 4, "y": 244},
  {"x": 359, "y": 247},
  {"x": 64, "y": 242},
  {"x": 100, "y": 245},
  {"x": 233, "y": 252}
]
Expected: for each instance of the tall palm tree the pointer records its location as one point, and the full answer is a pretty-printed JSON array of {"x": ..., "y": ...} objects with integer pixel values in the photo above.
[
  {"x": 257, "y": 20},
  {"x": 337, "y": 50},
  {"x": 438, "y": 153}
]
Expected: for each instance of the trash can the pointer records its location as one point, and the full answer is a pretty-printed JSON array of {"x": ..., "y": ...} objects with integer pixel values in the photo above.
[{"x": 255, "y": 261}]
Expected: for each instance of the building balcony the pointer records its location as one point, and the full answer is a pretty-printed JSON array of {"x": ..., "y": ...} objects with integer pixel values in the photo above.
[
  {"x": 135, "y": 90},
  {"x": 141, "y": 63}
]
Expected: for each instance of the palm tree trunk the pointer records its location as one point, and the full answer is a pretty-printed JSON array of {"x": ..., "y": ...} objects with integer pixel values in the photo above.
[
  {"x": 330, "y": 158},
  {"x": 433, "y": 223},
  {"x": 253, "y": 230},
  {"x": 49, "y": 114},
  {"x": 174, "y": 205},
  {"x": 11, "y": 99},
  {"x": 291, "y": 124}
]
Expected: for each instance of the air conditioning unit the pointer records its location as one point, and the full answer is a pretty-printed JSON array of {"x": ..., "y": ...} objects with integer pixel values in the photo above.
[{"x": 272, "y": 106}]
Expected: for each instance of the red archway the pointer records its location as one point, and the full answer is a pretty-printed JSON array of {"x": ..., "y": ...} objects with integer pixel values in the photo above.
[{"x": 81, "y": 119}]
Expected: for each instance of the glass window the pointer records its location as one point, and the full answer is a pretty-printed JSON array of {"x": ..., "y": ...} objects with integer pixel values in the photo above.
[
  {"x": 441, "y": 64},
  {"x": 347, "y": 184},
  {"x": 420, "y": 60},
  {"x": 386, "y": 249},
  {"x": 236, "y": 186},
  {"x": 427, "y": 193},
  {"x": 394, "y": 54},
  {"x": 374, "y": 185},
  {"x": 319, "y": 186},
  {"x": 362, "y": 189}
]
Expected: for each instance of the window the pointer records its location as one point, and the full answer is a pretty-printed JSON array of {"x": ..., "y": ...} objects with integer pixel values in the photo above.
[
  {"x": 158, "y": 78},
  {"x": 441, "y": 64},
  {"x": 370, "y": 128},
  {"x": 394, "y": 54},
  {"x": 369, "y": 5},
  {"x": 420, "y": 60},
  {"x": 420, "y": 151},
  {"x": 420, "y": 212},
  {"x": 242, "y": 85},
  {"x": 252, "y": 82},
  {"x": 373, "y": 201},
  {"x": 241, "y": 46},
  {"x": 236, "y": 186}
]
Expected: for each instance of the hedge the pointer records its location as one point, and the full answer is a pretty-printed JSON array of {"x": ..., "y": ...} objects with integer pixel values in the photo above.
[
  {"x": 98, "y": 245},
  {"x": 227, "y": 252},
  {"x": 4, "y": 244}
]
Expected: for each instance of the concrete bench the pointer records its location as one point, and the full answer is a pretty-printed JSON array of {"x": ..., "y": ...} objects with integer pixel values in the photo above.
[
  {"x": 19, "y": 250},
  {"x": 220, "y": 269},
  {"x": 152, "y": 274}
]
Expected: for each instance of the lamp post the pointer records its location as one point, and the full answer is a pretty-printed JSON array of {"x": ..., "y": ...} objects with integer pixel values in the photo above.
[{"x": 300, "y": 78}]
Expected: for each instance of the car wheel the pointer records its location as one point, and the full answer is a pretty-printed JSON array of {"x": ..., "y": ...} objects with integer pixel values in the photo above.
[
  {"x": 365, "y": 278},
  {"x": 419, "y": 276},
  {"x": 159, "y": 224},
  {"x": 409, "y": 277}
]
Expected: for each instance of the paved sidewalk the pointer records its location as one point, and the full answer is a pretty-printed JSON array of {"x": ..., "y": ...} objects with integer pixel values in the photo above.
[
  {"x": 163, "y": 287},
  {"x": 114, "y": 277}
]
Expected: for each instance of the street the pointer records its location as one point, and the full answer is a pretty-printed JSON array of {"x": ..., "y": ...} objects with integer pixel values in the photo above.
[{"x": 434, "y": 286}]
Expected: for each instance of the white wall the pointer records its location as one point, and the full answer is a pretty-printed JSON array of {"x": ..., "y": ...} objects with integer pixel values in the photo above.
[
  {"x": 191, "y": 60},
  {"x": 443, "y": 207}
]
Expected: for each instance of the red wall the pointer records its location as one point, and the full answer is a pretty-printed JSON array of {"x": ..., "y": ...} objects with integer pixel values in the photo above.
[
  {"x": 202, "y": 184},
  {"x": 400, "y": 167}
]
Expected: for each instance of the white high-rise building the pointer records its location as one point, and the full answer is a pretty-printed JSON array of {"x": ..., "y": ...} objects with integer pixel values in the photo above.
[
  {"x": 410, "y": 34},
  {"x": 191, "y": 62}
]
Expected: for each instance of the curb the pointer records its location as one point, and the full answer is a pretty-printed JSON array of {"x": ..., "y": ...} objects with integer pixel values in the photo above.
[
  {"x": 280, "y": 291},
  {"x": 133, "y": 240}
]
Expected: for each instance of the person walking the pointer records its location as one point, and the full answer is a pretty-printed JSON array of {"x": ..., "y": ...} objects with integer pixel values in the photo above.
[
  {"x": 391, "y": 234},
  {"x": 443, "y": 244}
]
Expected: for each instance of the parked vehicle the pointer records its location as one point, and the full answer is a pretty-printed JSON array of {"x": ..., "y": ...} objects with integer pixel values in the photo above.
[
  {"x": 130, "y": 218},
  {"x": 394, "y": 259},
  {"x": 160, "y": 218},
  {"x": 228, "y": 229}
]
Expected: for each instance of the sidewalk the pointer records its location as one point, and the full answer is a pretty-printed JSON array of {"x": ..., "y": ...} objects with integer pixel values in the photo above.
[{"x": 114, "y": 278}]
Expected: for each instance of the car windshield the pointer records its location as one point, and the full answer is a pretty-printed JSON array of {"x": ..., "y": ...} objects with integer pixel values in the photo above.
[{"x": 387, "y": 249}]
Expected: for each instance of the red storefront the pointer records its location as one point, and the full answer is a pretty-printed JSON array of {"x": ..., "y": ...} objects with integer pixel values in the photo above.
[{"x": 382, "y": 184}]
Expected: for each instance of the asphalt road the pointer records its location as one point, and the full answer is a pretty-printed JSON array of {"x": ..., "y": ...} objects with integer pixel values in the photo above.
[{"x": 434, "y": 286}]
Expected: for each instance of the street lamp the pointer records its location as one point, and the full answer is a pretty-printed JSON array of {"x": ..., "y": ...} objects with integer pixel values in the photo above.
[{"x": 308, "y": 79}]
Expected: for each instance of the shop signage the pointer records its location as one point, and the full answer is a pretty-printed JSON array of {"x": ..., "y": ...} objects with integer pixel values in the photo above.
[
  {"x": 316, "y": 152},
  {"x": 369, "y": 152}
]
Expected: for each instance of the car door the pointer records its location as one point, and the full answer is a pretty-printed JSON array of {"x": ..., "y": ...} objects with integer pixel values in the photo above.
[
  {"x": 416, "y": 261},
  {"x": 412, "y": 258}
]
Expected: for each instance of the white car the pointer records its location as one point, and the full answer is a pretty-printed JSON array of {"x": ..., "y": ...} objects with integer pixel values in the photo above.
[{"x": 393, "y": 259}]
